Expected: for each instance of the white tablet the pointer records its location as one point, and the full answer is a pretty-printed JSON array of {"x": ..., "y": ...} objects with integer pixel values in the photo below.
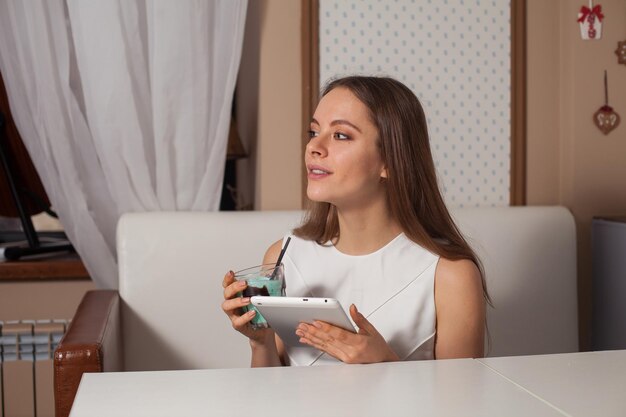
[{"x": 285, "y": 313}]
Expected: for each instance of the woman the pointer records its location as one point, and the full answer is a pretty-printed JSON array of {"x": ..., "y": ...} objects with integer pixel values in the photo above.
[{"x": 378, "y": 237}]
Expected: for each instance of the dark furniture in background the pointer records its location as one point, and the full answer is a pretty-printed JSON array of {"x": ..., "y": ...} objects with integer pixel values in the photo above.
[{"x": 21, "y": 193}]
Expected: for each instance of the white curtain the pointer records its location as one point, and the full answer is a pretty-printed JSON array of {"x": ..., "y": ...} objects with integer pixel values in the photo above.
[{"x": 123, "y": 105}]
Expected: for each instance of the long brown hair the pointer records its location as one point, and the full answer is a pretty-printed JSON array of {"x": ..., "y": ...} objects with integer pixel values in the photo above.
[{"x": 413, "y": 194}]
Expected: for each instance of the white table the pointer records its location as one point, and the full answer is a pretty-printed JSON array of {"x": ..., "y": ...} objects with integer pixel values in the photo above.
[
  {"x": 578, "y": 384},
  {"x": 464, "y": 387}
]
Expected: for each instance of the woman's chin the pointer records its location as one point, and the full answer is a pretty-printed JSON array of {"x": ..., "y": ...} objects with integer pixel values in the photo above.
[
  {"x": 316, "y": 199},
  {"x": 316, "y": 196}
]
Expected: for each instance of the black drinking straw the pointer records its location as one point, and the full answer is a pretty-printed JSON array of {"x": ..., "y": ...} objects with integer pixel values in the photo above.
[{"x": 280, "y": 257}]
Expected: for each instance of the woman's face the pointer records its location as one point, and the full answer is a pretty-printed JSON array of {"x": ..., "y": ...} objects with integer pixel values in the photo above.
[{"x": 342, "y": 158}]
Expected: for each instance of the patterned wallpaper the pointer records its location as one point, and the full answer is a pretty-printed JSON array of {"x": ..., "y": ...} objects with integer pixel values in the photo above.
[{"x": 455, "y": 56}]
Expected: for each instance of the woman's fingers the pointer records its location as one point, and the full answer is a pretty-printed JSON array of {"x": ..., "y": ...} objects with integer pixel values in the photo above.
[
  {"x": 309, "y": 333},
  {"x": 366, "y": 346},
  {"x": 229, "y": 278},
  {"x": 323, "y": 334},
  {"x": 365, "y": 327},
  {"x": 233, "y": 288},
  {"x": 240, "y": 322},
  {"x": 232, "y": 309},
  {"x": 326, "y": 332},
  {"x": 327, "y": 338},
  {"x": 232, "y": 303},
  {"x": 230, "y": 306},
  {"x": 331, "y": 349}
]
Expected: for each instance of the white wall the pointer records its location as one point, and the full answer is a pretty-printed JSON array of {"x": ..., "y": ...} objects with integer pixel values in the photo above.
[{"x": 455, "y": 56}]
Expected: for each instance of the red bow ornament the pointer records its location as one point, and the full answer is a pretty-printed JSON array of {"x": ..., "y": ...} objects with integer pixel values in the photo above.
[{"x": 590, "y": 20}]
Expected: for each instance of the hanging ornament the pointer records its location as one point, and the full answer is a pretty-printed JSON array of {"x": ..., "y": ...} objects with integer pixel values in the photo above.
[
  {"x": 590, "y": 20},
  {"x": 605, "y": 118},
  {"x": 621, "y": 52}
]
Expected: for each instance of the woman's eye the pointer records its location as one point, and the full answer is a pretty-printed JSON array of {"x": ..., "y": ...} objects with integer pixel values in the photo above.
[
  {"x": 341, "y": 136},
  {"x": 313, "y": 134}
]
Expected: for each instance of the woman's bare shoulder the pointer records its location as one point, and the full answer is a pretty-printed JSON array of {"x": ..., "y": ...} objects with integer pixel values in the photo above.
[
  {"x": 458, "y": 272},
  {"x": 457, "y": 283},
  {"x": 271, "y": 255}
]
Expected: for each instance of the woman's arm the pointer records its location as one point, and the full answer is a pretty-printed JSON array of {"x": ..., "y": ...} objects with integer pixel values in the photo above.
[
  {"x": 460, "y": 307},
  {"x": 267, "y": 348},
  {"x": 270, "y": 351}
]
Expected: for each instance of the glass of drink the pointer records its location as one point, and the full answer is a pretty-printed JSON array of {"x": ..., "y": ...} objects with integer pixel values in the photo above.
[{"x": 268, "y": 280}]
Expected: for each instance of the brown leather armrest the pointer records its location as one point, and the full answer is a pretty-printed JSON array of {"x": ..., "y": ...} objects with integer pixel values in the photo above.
[{"x": 92, "y": 343}]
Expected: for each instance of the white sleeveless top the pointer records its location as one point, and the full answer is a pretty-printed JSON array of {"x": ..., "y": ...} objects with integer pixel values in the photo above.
[{"x": 392, "y": 287}]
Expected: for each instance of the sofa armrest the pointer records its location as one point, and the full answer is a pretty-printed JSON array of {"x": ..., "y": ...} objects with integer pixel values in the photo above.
[{"x": 92, "y": 343}]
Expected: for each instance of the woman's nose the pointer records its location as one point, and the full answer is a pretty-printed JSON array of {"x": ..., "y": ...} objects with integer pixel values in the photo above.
[{"x": 317, "y": 146}]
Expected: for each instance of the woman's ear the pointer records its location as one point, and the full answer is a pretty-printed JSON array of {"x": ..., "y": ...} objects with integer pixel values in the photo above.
[{"x": 383, "y": 173}]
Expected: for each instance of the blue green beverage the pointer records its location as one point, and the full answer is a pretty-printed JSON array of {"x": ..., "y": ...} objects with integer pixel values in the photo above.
[{"x": 266, "y": 280}]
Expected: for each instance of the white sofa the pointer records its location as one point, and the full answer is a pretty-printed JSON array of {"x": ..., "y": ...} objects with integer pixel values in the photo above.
[{"x": 171, "y": 267}]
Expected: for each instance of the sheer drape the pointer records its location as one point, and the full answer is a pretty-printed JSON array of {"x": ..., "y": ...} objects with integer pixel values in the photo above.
[{"x": 123, "y": 105}]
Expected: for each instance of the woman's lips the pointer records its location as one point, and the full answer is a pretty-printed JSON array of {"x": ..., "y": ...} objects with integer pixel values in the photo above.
[{"x": 316, "y": 172}]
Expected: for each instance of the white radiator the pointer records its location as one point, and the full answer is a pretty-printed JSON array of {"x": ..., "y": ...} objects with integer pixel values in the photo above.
[{"x": 26, "y": 366}]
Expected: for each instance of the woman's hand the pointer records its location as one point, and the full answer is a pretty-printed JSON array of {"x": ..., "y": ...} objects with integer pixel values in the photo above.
[
  {"x": 232, "y": 307},
  {"x": 366, "y": 346}
]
